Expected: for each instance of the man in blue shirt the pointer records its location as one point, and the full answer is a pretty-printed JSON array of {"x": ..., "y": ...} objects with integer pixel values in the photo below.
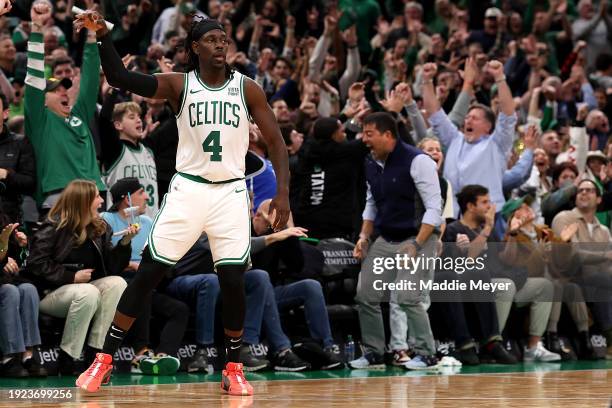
[
  {"x": 404, "y": 205},
  {"x": 478, "y": 155}
]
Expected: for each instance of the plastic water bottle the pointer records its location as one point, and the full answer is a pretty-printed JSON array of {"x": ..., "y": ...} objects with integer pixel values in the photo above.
[{"x": 349, "y": 349}]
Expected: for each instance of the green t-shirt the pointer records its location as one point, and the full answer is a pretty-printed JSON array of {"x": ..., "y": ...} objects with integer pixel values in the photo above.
[{"x": 64, "y": 147}]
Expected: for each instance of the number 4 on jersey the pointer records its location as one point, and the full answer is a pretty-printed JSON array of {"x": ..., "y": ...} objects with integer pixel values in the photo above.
[{"x": 212, "y": 144}]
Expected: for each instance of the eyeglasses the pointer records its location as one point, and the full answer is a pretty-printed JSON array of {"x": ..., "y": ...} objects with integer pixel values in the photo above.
[{"x": 586, "y": 190}]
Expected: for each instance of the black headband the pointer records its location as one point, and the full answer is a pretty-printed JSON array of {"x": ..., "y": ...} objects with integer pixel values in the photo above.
[{"x": 204, "y": 26}]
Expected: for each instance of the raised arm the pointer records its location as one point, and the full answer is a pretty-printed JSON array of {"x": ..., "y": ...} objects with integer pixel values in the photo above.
[
  {"x": 90, "y": 79},
  {"x": 315, "y": 64},
  {"x": 506, "y": 103},
  {"x": 289, "y": 37},
  {"x": 506, "y": 120},
  {"x": 265, "y": 120},
  {"x": 582, "y": 30},
  {"x": 34, "y": 97},
  {"x": 414, "y": 115},
  {"x": 520, "y": 172},
  {"x": 442, "y": 127},
  {"x": 428, "y": 92},
  {"x": 579, "y": 138},
  {"x": 160, "y": 86},
  {"x": 417, "y": 121},
  {"x": 462, "y": 104},
  {"x": 460, "y": 108},
  {"x": 353, "y": 62}
]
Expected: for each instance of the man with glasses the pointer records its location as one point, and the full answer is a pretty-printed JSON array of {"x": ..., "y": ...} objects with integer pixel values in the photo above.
[{"x": 592, "y": 255}]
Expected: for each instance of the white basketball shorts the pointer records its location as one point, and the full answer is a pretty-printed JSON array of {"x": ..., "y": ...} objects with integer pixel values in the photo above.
[{"x": 191, "y": 207}]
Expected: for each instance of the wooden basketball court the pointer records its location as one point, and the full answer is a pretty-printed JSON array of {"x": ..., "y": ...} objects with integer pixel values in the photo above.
[{"x": 581, "y": 388}]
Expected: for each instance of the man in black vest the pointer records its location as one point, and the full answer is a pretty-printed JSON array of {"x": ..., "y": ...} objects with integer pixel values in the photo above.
[{"x": 404, "y": 206}]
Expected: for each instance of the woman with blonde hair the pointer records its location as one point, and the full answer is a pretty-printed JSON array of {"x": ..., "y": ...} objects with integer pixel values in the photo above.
[
  {"x": 432, "y": 147},
  {"x": 73, "y": 263}
]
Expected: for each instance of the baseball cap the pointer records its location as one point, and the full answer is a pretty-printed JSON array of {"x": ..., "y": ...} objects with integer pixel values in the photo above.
[
  {"x": 597, "y": 154},
  {"x": 121, "y": 189},
  {"x": 493, "y": 12},
  {"x": 187, "y": 8},
  {"x": 512, "y": 205},
  {"x": 54, "y": 83}
]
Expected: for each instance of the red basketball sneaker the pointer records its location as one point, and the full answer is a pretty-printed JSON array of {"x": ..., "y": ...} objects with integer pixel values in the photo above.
[
  {"x": 98, "y": 373},
  {"x": 233, "y": 381}
]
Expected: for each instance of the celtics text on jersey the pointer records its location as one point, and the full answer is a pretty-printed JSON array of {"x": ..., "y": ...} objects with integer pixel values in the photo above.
[{"x": 213, "y": 127}]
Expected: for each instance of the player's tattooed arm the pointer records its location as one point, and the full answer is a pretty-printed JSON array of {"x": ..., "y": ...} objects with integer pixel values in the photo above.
[{"x": 266, "y": 121}]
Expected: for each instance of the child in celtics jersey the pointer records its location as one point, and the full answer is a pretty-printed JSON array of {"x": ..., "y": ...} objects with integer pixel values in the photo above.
[{"x": 125, "y": 155}]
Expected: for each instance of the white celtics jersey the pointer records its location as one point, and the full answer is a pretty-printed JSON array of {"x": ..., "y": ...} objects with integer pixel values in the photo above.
[
  {"x": 213, "y": 128},
  {"x": 136, "y": 162}
]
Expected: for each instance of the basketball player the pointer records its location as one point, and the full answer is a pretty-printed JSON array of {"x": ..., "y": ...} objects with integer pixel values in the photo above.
[{"x": 213, "y": 105}]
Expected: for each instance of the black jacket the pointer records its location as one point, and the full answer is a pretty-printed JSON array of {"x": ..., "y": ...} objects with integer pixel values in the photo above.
[
  {"x": 327, "y": 176},
  {"x": 17, "y": 157},
  {"x": 50, "y": 247}
]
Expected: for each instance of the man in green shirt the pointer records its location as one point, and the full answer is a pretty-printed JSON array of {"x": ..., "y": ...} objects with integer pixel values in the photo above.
[{"x": 59, "y": 133}]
